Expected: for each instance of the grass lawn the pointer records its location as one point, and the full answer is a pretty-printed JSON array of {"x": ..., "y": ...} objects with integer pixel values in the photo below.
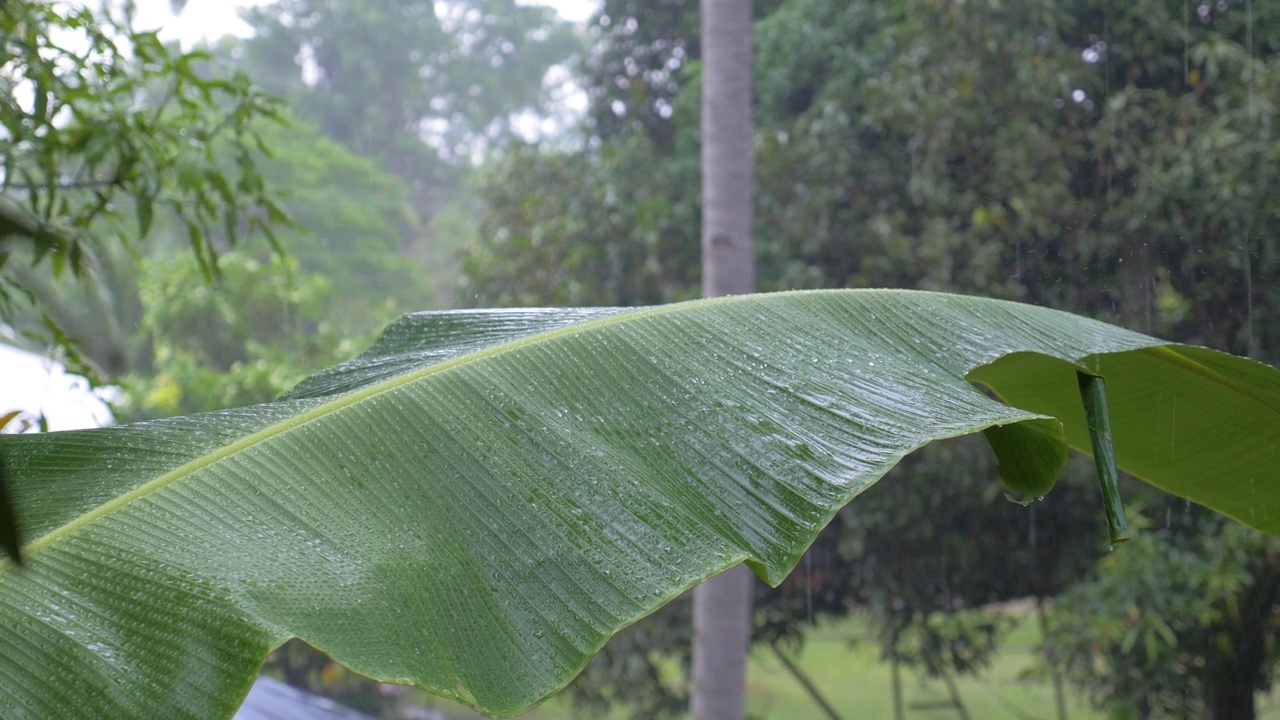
[{"x": 854, "y": 680}]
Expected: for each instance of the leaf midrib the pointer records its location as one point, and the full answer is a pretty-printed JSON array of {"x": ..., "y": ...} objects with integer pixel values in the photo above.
[
  {"x": 353, "y": 398},
  {"x": 325, "y": 409}
]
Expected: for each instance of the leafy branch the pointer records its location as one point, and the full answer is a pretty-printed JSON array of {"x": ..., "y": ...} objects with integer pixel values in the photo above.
[{"x": 108, "y": 120}]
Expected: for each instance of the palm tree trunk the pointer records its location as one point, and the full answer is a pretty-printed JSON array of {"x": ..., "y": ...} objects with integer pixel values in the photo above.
[
  {"x": 722, "y": 605},
  {"x": 728, "y": 262}
]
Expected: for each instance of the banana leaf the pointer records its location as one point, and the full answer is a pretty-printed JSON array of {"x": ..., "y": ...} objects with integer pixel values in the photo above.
[{"x": 477, "y": 503}]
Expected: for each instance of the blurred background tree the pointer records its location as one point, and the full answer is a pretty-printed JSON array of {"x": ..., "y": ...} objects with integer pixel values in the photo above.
[{"x": 1180, "y": 624}]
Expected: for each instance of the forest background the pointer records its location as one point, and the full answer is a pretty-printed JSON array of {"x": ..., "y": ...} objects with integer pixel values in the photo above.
[{"x": 1114, "y": 159}]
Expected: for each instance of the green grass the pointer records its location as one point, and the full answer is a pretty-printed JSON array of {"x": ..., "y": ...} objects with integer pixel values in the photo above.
[{"x": 848, "y": 671}]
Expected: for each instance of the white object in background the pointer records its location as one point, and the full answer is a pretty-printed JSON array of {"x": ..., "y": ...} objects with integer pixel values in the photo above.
[{"x": 38, "y": 386}]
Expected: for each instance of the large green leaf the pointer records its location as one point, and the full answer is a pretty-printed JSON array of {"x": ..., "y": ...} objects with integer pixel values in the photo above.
[{"x": 481, "y": 500}]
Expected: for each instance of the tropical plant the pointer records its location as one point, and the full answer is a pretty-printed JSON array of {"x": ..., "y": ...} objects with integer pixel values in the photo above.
[
  {"x": 484, "y": 497},
  {"x": 102, "y": 128},
  {"x": 103, "y": 124}
]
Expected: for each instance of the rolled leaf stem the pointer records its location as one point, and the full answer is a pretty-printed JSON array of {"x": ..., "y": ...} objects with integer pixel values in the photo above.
[{"x": 1093, "y": 391}]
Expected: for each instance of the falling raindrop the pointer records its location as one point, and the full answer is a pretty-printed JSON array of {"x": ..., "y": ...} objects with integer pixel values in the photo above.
[
  {"x": 1031, "y": 529},
  {"x": 808, "y": 585}
]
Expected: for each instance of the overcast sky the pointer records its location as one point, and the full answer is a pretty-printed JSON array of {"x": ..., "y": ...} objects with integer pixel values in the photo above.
[{"x": 211, "y": 19}]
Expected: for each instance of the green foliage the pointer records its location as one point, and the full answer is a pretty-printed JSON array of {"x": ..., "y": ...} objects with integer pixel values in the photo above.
[
  {"x": 942, "y": 146},
  {"x": 920, "y": 585},
  {"x": 612, "y": 234},
  {"x": 621, "y": 229},
  {"x": 353, "y": 217},
  {"x": 95, "y": 319},
  {"x": 1073, "y": 154},
  {"x": 243, "y": 339},
  {"x": 105, "y": 128},
  {"x": 1181, "y": 623},
  {"x": 565, "y": 471},
  {"x": 1113, "y": 159},
  {"x": 642, "y": 58},
  {"x": 952, "y": 641},
  {"x": 639, "y": 61},
  {"x": 349, "y": 217},
  {"x": 419, "y": 89}
]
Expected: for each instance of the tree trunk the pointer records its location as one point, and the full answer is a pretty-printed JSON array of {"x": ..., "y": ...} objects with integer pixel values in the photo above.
[
  {"x": 1055, "y": 673},
  {"x": 1232, "y": 676},
  {"x": 722, "y": 605},
  {"x": 805, "y": 682},
  {"x": 895, "y": 687},
  {"x": 728, "y": 263},
  {"x": 1231, "y": 697},
  {"x": 721, "y": 634},
  {"x": 953, "y": 692}
]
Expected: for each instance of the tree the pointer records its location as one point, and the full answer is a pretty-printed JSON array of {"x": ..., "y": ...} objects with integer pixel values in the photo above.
[
  {"x": 103, "y": 125},
  {"x": 1201, "y": 644},
  {"x": 482, "y": 499},
  {"x": 637, "y": 64},
  {"x": 346, "y": 216},
  {"x": 924, "y": 590},
  {"x": 382, "y": 76},
  {"x": 942, "y": 146},
  {"x": 728, "y": 260},
  {"x": 621, "y": 234},
  {"x": 421, "y": 88},
  {"x": 722, "y": 605},
  {"x": 97, "y": 121},
  {"x": 351, "y": 216},
  {"x": 242, "y": 340}
]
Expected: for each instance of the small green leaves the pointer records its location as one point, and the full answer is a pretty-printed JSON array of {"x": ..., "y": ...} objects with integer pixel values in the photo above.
[{"x": 120, "y": 121}]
